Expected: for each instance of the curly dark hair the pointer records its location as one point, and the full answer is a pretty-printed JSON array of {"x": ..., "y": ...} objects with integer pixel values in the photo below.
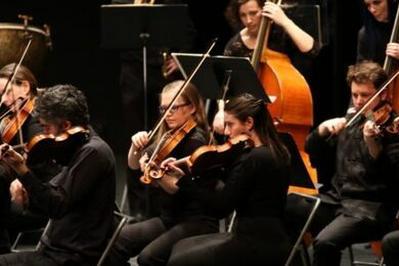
[
  {"x": 63, "y": 103},
  {"x": 232, "y": 12},
  {"x": 366, "y": 71}
]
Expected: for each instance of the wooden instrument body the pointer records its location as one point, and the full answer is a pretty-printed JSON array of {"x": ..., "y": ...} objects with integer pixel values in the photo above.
[{"x": 292, "y": 104}]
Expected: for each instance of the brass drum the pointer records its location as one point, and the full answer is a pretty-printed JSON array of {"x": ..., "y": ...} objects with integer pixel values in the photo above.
[{"x": 13, "y": 40}]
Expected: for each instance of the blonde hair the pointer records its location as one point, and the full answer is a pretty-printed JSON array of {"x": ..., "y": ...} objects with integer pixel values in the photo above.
[{"x": 191, "y": 96}]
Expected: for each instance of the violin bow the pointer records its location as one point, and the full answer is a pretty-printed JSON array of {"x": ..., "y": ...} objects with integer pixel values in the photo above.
[
  {"x": 180, "y": 91},
  {"x": 9, "y": 83},
  {"x": 368, "y": 103}
]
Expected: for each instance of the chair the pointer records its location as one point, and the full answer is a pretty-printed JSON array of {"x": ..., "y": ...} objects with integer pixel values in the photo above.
[
  {"x": 354, "y": 262},
  {"x": 305, "y": 227},
  {"x": 123, "y": 220},
  {"x": 376, "y": 247},
  {"x": 37, "y": 232}
]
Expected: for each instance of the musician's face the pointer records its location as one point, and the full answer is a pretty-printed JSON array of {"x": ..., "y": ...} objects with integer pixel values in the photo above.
[
  {"x": 17, "y": 90},
  {"x": 234, "y": 127},
  {"x": 181, "y": 111},
  {"x": 362, "y": 92},
  {"x": 250, "y": 15},
  {"x": 378, "y": 8},
  {"x": 53, "y": 127}
]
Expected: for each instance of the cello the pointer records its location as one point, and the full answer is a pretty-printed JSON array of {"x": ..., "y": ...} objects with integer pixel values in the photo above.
[{"x": 291, "y": 100}]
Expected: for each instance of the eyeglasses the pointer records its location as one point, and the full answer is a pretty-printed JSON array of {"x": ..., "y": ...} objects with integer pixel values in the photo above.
[{"x": 162, "y": 109}]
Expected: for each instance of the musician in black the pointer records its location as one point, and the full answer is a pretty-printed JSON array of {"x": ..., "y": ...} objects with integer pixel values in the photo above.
[
  {"x": 390, "y": 246},
  {"x": 285, "y": 37},
  {"x": 256, "y": 185},
  {"x": 355, "y": 165},
  {"x": 17, "y": 125},
  {"x": 373, "y": 38},
  {"x": 80, "y": 199},
  {"x": 160, "y": 70},
  {"x": 181, "y": 216}
]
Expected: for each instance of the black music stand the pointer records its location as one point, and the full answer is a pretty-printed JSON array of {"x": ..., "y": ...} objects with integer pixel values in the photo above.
[
  {"x": 138, "y": 27},
  {"x": 210, "y": 77},
  {"x": 299, "y": 175}
]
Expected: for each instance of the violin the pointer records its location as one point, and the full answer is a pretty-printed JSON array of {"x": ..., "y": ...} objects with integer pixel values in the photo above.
[
  {"x": 383, "y": 118},
  {"x": 47, "y": 146},
  {"x": 171, "y": 140},
  {"x": 382, "y": 113},
  {"x": 168, "y": 143},
  {"x": 209, "y": 157},
  {"x": 12, "y": 126}
]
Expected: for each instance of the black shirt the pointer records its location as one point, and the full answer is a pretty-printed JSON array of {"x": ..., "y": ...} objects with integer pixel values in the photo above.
[
  {"x": 369, "y": 48},
  {"x": 178, "y": 207},
  {"x": 256, "y": 187},
  {"x": 80, "y": 202},
  {"x": 360, "y": 183}
]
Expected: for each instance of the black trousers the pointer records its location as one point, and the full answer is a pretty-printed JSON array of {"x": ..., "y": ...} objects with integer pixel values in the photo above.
[
  {"x": 26, "y": 258},
  {"x": 332, "y": 229},
  {"x": 152, "y": 241},
  {"x": 14, "y": 218},
  {"x": 265, "y": 245},
  {"x": 390, "y": 248}
]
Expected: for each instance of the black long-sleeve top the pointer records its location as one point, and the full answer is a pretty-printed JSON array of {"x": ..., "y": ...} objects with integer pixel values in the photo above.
[
  {"x": 373, "y": 47},
  {"x": 256, "y": 187},
  {"x": 79, "y": 201},
  {"x": 361, "y": 184},
  {"x": 178, "y": 207}
]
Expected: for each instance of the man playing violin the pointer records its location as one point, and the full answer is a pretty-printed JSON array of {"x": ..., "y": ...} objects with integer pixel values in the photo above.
[
  {"x": 152, "y": 240},
  {"x": 80, "y": 199},
  {"x": 358, "y": 203},
  {"x": 17, "y": 126}
]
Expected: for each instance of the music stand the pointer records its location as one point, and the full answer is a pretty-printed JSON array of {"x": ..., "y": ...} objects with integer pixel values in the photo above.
[
  {"x": 137, "y": 27},
  {"x": 299, "y": 176},
  {"x": 209, "y": 78}
]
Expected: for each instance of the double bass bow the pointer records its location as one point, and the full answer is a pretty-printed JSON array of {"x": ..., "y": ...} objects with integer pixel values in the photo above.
[{"x": 292, "y": 105}]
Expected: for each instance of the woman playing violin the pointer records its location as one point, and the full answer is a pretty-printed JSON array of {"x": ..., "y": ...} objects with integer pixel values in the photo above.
[
  {"x": 152, "y": 240},
  {"x": 16, "y": 122},
  {"x": 256, "y": 186}
]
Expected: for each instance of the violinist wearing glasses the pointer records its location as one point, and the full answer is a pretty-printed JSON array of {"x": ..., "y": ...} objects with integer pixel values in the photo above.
[
  {"x": 80, "y": 199},
  {"x": 18, "y": 126},
  {"x": 184, "y": 129},
  {"x": 358, "y": 203}
]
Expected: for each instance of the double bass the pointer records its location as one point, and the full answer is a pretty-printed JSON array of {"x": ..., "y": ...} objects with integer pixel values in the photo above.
[
  {"x": 391, "y": 65},
  {"x": 291, "y": 100}
]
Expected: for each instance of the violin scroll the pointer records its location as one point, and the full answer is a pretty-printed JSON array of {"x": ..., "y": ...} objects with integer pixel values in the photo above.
[{"x": 383, "y": 118}]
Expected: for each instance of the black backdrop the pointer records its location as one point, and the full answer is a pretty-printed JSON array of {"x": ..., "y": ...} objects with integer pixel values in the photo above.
[{"x": 78, "y": 59}]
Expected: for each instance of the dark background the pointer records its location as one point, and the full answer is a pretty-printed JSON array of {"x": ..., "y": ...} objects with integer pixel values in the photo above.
[{"x": 77, "y": 58}]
